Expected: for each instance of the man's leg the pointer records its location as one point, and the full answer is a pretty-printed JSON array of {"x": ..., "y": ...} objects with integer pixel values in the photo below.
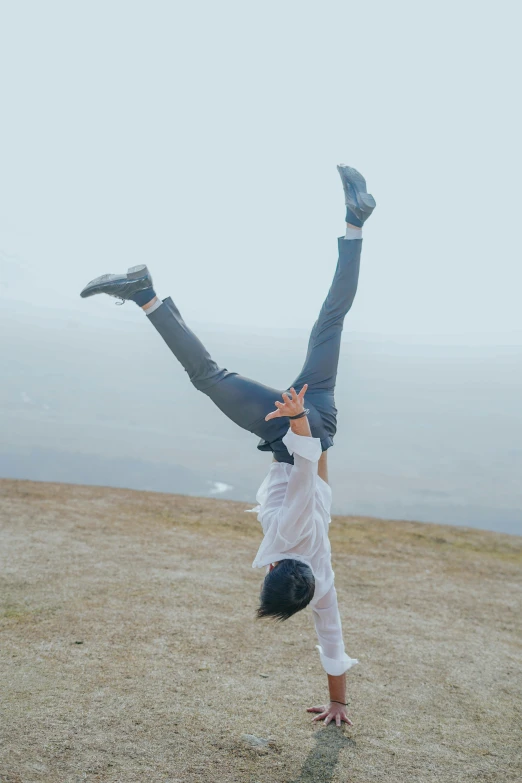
[
  {"x": 243, "y": 400},
  {"x": 320, "y": 366},
  {"x": 322, "y": 358}
]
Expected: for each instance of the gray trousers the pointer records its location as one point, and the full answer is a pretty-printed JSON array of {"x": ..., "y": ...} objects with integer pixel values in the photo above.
[{"x": 247, "y": 402}]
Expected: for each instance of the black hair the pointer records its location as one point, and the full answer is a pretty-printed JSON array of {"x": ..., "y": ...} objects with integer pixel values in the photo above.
[{"x": 287, "y": 589}]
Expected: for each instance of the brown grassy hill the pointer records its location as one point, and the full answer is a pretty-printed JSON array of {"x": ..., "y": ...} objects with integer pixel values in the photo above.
[{"x": 129, "y": 651}]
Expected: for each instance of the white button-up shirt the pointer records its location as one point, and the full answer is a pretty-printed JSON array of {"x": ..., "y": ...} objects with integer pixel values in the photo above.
[{"x": 294, "y": 511}]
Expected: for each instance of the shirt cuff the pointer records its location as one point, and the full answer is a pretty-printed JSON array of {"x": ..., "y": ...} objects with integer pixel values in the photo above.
[
  {"x": 304, "y": 445},
  {"x": 334, "y": 666}
]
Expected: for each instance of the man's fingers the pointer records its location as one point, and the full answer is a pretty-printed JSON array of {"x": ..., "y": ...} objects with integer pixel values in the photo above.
[
  {"x": 278, "y": 404},
  {"x": 303, "y": 391},
  {"x": 324, "y": 714},
  {"x": 319, "y": 717},
  {"x": 271, "y": 415}
]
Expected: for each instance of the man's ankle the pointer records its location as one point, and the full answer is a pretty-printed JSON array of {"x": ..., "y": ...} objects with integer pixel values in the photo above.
[
  {"x": 145, "y": 297},
  {"x": 149, "y": 304},
  {"x": 353, "y": 232}
]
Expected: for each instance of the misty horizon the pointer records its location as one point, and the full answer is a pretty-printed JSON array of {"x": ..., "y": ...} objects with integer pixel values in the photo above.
[{"x": 427, "y": 432}]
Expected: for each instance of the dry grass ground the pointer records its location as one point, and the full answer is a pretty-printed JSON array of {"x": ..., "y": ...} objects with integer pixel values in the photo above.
[{"x": 129, "y": 651}]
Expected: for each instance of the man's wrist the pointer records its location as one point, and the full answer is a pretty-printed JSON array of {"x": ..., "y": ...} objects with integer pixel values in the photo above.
[
  {"x": 300, "y": 426},
  {"x": 303, "y": 413},
  {"x": 337, "y": 688}
]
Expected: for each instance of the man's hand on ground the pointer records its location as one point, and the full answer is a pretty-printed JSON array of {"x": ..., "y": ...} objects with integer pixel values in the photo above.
[
  {"x": 292, "y": 405},
  {"x": 332, "y": 711}
]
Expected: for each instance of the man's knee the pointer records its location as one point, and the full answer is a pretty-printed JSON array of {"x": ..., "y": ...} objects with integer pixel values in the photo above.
[{"x": 206, "y": 377}]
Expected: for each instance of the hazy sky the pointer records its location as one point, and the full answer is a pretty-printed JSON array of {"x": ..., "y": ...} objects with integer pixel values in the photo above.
[{"x": 202, "y": 138}]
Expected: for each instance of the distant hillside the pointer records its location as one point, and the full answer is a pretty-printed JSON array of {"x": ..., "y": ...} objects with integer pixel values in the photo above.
[{"x": 129, "y": 648}]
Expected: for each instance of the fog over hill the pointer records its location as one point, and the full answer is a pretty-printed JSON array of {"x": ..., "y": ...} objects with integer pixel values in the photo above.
[{"x": 426, "y": 431}]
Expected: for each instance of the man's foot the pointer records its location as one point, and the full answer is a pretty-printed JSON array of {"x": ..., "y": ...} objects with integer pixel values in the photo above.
[
  {"x": 359, "y": 203},
  {"x": 135, "y": 285}
]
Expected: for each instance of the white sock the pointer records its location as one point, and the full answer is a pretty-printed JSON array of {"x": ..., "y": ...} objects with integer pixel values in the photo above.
[
  {"x": 353, "y": 233},
  {"x": 153, "y": 307}
]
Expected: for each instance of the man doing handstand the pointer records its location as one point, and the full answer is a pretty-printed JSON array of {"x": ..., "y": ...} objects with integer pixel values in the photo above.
[{"x": 295, "y": 498}]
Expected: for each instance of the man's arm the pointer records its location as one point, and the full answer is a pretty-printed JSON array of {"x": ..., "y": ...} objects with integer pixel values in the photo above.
[
  {"x": 295, "y": 510},
  {"x": 322, "y": 467},
  {"x": 336, "y": 710},
  {"x": 334, "y": 659}
]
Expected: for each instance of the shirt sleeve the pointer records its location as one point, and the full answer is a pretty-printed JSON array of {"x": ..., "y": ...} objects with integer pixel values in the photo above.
[
  {"x": 295, "y": 517},
  {"x": 288, "y": 511},
  {"x": 303, "y": 445},
  {"x": 327, "y": 620}
]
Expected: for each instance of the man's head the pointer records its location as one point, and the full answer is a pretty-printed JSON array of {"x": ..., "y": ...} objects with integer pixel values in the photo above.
[{"x": 289, "y": 586}]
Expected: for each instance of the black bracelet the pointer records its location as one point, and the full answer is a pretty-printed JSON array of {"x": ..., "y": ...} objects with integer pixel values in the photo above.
[
  {"x": 339, "y": 702},
  {"x": 300, "y": 415}
]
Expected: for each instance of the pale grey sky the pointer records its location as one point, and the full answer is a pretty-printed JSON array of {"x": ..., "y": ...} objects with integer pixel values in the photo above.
[{"x": 202, "y": 138}]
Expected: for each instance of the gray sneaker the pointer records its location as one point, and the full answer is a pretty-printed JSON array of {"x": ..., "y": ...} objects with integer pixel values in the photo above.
[
  {"x": 359, "y": 203},
  {"x": 122, "y": 286}
]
